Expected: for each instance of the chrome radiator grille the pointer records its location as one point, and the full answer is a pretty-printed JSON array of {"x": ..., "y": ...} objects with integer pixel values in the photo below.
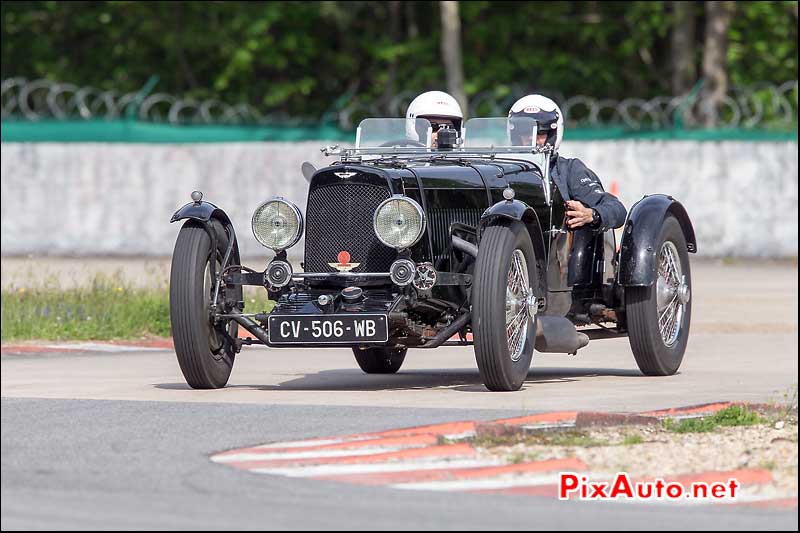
[
  {"x": 439, "y": 221},
  {"x": 339, "y": 219}
]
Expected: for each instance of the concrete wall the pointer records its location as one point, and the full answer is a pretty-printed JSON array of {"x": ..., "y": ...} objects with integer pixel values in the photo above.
[{"x": 96, "y": 199}]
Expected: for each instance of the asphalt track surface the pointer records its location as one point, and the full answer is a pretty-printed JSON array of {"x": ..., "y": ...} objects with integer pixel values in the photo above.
[{"x": 116, "y": 440}]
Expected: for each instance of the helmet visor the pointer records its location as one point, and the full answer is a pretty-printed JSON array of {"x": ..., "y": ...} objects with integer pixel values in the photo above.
[
  {"x": 522, "y": 130},
  {"x": 442, "y": 122},
  {"x": 521, "y": 134}
]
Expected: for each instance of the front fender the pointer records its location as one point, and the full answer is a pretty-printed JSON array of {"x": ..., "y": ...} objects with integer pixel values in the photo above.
[
  {"x": 201, "y": 211},
  {"x": 522, "y": 212},
  {"x": 510, "y": 209},
  {"x": 640, "y": 238}
]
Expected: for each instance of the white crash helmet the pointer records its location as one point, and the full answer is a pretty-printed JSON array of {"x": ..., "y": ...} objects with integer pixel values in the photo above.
[
  {"x": 547, "y": 114},
  {"x": 432, "y": 104}
]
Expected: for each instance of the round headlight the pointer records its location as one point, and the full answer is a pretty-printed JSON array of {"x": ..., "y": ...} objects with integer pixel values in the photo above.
[
  {"x": 277, "y": 224},
  {"x": 399, "y": 222}
]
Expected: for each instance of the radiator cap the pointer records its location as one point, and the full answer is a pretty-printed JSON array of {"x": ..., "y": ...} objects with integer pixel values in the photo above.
[{"x": 352, "y": 294}]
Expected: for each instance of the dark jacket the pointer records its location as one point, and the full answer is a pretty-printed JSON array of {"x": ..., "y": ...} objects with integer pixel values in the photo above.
[{"x": 576, "y": 181}]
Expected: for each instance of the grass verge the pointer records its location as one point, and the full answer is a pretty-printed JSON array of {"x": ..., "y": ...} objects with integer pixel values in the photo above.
[
  {"x": 107, "y": 309},
  {"x": 730, "y": 416},
  {"x": 736, "y": 415},
  {"x": 631, "y": 440},
  {"x": 546, "y": 438}
]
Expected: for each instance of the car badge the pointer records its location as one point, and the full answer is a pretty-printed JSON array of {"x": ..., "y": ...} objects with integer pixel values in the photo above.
[
  {"x": 345, "y": 175},
  {"x": 532, "y": 109},
  {"x": 344, "y": 264}
]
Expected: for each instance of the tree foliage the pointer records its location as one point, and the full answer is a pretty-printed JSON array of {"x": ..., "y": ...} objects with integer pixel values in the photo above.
[{"x": 306, "y": 58}]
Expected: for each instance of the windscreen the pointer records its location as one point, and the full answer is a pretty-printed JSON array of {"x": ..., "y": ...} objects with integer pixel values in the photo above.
[
  {"x": 393, "y": 132},
  {"x": 500, "y": 132}
]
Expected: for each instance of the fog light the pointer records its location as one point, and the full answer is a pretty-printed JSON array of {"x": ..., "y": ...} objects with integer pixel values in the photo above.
[
  {"x": 402, "y": 272},
  {"x": 278, "y": 274}
]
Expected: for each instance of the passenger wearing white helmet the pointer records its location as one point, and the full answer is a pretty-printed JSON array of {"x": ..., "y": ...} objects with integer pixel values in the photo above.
[
  {"x": 587, "y": 202},
  {"x": 439, "y": 108}
]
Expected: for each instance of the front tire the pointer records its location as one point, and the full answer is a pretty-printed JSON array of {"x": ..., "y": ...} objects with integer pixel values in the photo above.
[
  {"x": 380, "y": 360},
  {"x": 659, "y": 315},
  {"x": 205, "y": 353},
  {"x": 503, "y": 306}
]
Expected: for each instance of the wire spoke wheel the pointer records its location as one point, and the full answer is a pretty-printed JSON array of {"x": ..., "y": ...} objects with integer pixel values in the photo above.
[
  {"x": 517, "y": 313},
  {"x": 659, "y": 315},
  {"x": 504, "y": 305},
  {"x": 670, "y": 288}
]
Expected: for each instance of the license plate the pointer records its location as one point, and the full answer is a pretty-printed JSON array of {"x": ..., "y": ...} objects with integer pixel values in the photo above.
[{"x": 328, "y": 329}]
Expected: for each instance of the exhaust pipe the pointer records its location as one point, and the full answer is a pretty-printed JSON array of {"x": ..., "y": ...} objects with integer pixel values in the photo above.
[
  {"x": 465, "y": 246},
  {"x": 556, "y": 334},
  {"x": 448, "y": 332}
]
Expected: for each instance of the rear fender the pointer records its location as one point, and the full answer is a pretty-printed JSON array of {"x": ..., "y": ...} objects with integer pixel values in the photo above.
[{"x": 640, "y": 238}]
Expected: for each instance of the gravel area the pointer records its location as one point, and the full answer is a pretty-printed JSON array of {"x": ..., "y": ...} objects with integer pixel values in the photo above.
[{"x": 650, "y": 451}]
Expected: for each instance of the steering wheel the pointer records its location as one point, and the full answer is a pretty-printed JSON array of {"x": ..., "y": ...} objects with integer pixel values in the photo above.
[{"x": 403, "y": 142}]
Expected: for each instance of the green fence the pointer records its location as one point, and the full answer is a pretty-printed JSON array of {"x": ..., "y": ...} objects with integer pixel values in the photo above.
[{"x": 134, "y": 131}]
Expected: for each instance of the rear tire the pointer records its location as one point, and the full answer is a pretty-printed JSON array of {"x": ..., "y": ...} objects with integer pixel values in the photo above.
[
  {"x": 380, "y": 360},
  {"x": 658, "y": 333},
  {"x": 494, "y": 300},
  {"x": 205, "y": 353}
]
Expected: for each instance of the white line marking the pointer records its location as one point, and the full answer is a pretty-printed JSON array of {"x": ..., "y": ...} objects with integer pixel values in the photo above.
[
  {"x": 301, "y": 444},
  {"x": 374, "y": 468},
  {"x": 459, "y": 436},
  {"x": 689, "y": 416},
  {"x": 553, "y": 425},
  {"x": 95, "y": 347},
  {"x": 482, "y": 484},
  {"x": 318, "y": 454},
  {"x": 504, "y": 482}
]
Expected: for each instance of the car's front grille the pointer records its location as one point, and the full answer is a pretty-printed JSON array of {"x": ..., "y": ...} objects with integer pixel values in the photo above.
[
  {"x": 439, "y": 221},
  {"x": 339, "y": 218}
]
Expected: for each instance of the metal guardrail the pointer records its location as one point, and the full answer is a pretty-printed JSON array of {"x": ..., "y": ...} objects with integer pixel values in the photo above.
[{"x": 753, "y": 106}]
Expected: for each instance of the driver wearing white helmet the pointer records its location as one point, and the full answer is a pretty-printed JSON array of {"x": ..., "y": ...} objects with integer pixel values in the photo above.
[
  {"x": 438, "y": 108},
  {"x": 587, "y": 202}
]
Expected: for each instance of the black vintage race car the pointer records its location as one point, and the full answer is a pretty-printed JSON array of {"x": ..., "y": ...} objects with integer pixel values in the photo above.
[{"x": 409, "y": 246}]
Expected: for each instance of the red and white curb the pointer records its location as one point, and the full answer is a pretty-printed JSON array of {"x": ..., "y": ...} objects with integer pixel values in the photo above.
[
  {"x": 438, "y": 458},
  {"x": 90, "y": 347}
]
